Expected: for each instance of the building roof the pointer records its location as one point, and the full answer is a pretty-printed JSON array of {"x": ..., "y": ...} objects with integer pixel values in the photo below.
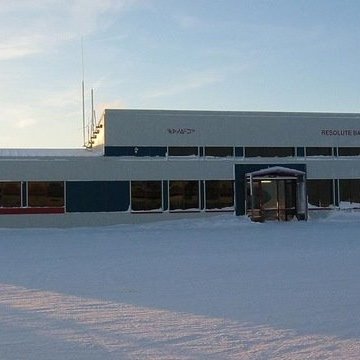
[
  {"x": 53, "y": 153},
  {"x": 277, "y": 171}
]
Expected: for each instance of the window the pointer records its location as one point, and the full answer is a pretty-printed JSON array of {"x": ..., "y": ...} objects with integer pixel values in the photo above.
[
  {"x": 269, "y": 151},
  {"x": 10, "y": 194},
  {"x": 320, "y": 192},
  {"x": 349, "y": 151},
  {"x": 146, "y": 195},
  {"x": 184, "y": 195},
  {"x": 318, "y": 151},
  {"x": 350, "y": 190},
  {"x": 183, "y": 151},
  {"x": 46, "y": 194},
  {"x": 219, "y": 151},
  {"x": 219, "y": 194}
]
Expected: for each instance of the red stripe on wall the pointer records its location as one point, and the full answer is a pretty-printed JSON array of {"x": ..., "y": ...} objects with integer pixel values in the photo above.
[{"x": 32, "y": 210}]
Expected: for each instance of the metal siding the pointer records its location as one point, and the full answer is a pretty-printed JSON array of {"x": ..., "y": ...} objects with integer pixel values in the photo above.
[
  {"x": 217, "y": 128},
  {"x": 121, "y": 169}
]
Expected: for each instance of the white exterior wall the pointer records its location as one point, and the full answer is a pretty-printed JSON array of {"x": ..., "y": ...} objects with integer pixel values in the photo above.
[
  {"x": 116, "y": 168},
  {"x": 207, "y": 128}
]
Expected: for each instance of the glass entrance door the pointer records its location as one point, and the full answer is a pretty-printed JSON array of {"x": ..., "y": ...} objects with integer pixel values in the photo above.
[
  {"x": 274, "y": 199},
  {"x": 270, "y": 199}
]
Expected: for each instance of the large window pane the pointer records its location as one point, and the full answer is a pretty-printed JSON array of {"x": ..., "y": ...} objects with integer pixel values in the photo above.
[
  {"x": 183, "y": 151},
  {"x": 184, "y": 195},
  {"x": 350, "y": 190},
  {"x": 146, "y": 195},
  {"x": 10, "y": 194},
  {"x": 46, "y": 194},
  {"x": 219, "y": 194},
  {"x": 349, "y": 151},
  {"x": 269, "y": 151},
  {"x": 318, "y": 151},
  {"x": 320, "y": 192},
  {"x": 217, "y": 151}
]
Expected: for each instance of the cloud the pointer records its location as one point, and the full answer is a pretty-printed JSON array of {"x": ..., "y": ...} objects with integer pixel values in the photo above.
[
  {"x": 18, "y": 118},
  {"x": 190, "y": 22},
  {"x": 20, "y": 46},
  {"x": 189, "y": 82},
  {"x": 30, "y": 27},
  {"x": 68, "y": 98},
  {"x": 115, "y": 104}
]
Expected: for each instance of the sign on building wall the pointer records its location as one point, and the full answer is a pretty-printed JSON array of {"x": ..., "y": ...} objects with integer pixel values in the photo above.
[{"x": 340, "y": 132}]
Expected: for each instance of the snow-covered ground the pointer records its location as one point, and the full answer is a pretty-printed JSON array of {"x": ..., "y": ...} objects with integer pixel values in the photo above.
[{"x": 216, "y": 288}]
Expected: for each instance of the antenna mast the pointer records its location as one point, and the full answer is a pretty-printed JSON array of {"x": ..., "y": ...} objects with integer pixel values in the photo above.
[
  {"x": 92, "y": 112},
  {"x": 83, "y": 92}
]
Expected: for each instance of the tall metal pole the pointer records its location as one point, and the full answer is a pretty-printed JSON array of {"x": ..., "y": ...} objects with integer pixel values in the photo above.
[
  {"x": 83, "y": 92},
  {"x": 92, "y": 111}
]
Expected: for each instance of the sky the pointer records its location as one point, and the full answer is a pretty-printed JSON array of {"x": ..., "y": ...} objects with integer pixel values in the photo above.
[{"x": 261, "y": 55}]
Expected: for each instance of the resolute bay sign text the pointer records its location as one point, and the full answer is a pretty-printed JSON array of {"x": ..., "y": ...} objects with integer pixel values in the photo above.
[{"x": 340, "y": 132}]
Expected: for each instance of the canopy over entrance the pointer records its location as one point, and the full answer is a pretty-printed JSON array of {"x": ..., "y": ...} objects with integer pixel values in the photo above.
[{"x": 276, "y": 193}]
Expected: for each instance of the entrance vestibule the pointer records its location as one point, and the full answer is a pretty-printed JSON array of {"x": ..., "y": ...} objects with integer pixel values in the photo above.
[{"x": 276, "y": 193}]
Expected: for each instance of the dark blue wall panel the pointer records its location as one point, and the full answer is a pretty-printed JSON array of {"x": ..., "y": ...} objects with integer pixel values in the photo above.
[
  {"x": 300, "y": 151},
  {"x": 119, "y": 151},
  {"x": 97, "y": 196},
  {"x": 138, "y": 151},
  {"x": 239, "y": 151}
]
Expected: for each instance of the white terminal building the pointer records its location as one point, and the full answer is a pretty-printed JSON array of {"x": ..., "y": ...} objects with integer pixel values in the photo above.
[{"x": 145, "y": 165}]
